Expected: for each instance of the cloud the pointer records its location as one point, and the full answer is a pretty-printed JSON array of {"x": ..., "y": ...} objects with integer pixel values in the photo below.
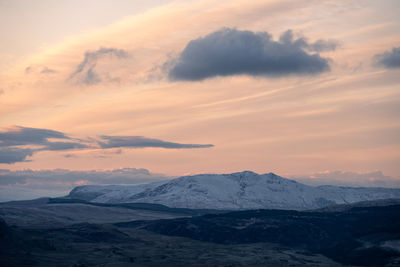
[
  {"x": 233, "y": 52},
  {"x": 64, "y": 146},
  {"x": 28, "y": 69},
  {"x": 47, "y": 70},
  {"x": 70, "y": 156},
  {"x": 323, "y": 45},
  {"x": 17, "y": 135},
  {"x": 388, "y": 59},
  {"x": 48, "y": 179},
  {"x": 85, "y": 71},
  {"x": 26, "y": 183},
  {"x": 39, "y": 69},
  {"x": 17, "y": 143},
  {"x": 301, "y": 42},
  {"x": 142, "y": 142},
  {"x": 370, "y": 179},
  {"x": 12, "y": 155},
  {"x": 6, "y": 179}
]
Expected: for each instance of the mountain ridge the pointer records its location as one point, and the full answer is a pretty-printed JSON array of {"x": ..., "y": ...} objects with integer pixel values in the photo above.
[{"x": 235, "y": 191}]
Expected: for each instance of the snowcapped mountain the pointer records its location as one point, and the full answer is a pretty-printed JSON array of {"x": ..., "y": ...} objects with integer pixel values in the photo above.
[{"x": 236, "y": 191}]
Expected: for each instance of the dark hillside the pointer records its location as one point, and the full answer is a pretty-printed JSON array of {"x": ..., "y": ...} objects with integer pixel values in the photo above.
[{"x": 355, "y": 236}]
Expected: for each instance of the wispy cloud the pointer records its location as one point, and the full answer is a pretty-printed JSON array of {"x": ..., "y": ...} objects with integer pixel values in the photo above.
[
  {"x": 39, "y": 69},
  {"x": 373, "y": 179},
  {"x": 17, "y": 143},
  {"x": 142, "y": 142},
  {"x": 67, "y": 178},
  {"x": 233, "y": 52},
  {"x": 64, "y": 146},
  {"x": 47, "y": 70},
  {"x": 322, "y": 45},
  {"x": 17, "y": 135},
  {"x": 85, "y": 72},
  {"x": 388, "y": 59}
]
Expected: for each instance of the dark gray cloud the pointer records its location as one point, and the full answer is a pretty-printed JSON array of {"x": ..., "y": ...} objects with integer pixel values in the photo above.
[
  {"x": 85, "y": 72},
  {"x": 388, "y": 59},
  {"x": 142, "y": 142},
  {"x": 320, "y": 45},
  {"x": 17, "y": 143},
  {"x": 17, "y": 136},
  {"x": 11, "y": 155},
  {"x": 233, "y": 52}
]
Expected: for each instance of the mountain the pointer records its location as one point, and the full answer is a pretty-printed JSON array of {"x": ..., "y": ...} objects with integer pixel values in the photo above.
[{"x": 236, "y": 191}]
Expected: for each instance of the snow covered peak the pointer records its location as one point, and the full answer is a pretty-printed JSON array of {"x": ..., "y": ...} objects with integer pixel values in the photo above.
[
  {"x": 244, "y": 173},
  {"x": 240, "y": 190}
]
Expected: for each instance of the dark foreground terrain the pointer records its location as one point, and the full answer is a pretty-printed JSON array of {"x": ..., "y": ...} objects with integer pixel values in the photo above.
[
  {"x": 123, "y": 235},
  {"x": 367, "y": 236},
  {"x": 107, "y": 245}
]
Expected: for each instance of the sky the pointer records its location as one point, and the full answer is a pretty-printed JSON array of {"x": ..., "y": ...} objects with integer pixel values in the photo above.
[{"x": 306, "y": 89}]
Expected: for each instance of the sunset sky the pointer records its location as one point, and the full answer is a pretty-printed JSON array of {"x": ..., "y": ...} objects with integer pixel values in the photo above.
[{"x": 185, "y": 87}]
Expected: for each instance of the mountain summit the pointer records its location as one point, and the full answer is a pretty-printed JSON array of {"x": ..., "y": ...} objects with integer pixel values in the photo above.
[{"x": 236, "y": 191}]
